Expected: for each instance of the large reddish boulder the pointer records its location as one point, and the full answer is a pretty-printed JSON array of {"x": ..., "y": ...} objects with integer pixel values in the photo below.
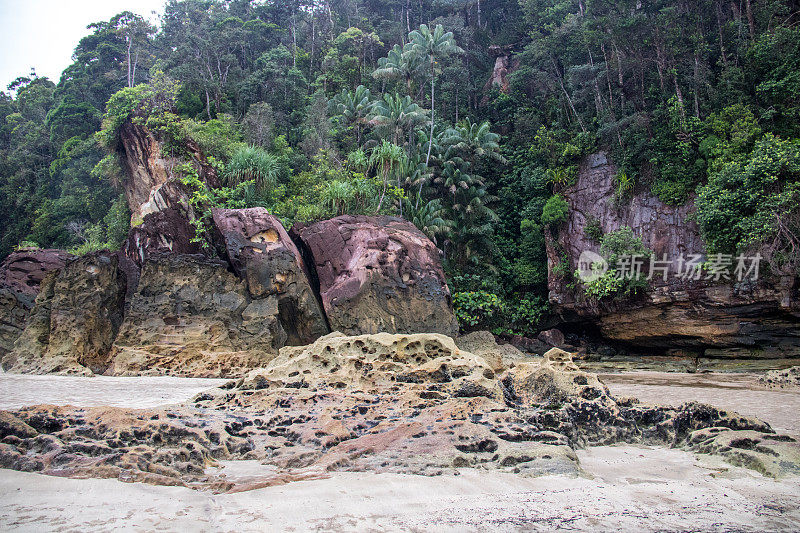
[
  {"x": 378, "y": 274},
  {"x": 261, "y": 252},
  {"x": 21, "y": 274}
]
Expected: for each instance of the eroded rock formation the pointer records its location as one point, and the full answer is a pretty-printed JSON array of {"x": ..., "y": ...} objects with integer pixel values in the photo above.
[
  {"x": 190, "y": 316},
  {"x": 378, "y": 274},
  {"x": 21, "y": 274},
  {"x": 384, "y": 403},
  {"x": 261, "y": 252},
  {"x": 196, "y": 310},
  {"x": 161, "y": 232},
  {"x": 727, "y": 319},
  {"x": 151, "y": 183},
  {"x": 76, "y": 318}
]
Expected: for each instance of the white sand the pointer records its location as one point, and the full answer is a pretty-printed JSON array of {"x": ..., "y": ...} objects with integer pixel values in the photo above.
[{"x": 634, "y": 489}]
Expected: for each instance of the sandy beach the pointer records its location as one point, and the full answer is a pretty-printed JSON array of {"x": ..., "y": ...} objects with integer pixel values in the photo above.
[{"x": 626, "y": 488}]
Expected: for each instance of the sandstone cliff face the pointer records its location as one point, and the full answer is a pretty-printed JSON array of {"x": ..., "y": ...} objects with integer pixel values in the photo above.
[
  {"x": 724, "y": 319},
  {"x": 151, "y": 183},
  {"x": 260, "y": 251},
  {"x": 21, "y": 274},
  {"x": 201, "y": 312},
  {"x": 76, "y": 318},
  {"x": 166, "y": 231},
  {"x": 378, "y": 274},
  {"x": 190, "y": 316},
  {"x": 504, "y": 64}
]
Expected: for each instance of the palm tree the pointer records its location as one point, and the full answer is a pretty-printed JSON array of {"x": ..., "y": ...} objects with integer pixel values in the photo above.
[
  {"x": 476, "y": 140},
  {"x": 429, "y": 218},
  {"x": 389, "y": 159},
  {"x": 474, "y": 223},
  {"x": 433, "y": 47},
  {"x": 357, "y": 161},
  {"x": 337, "y": 194},
  {"x": 399, "y": 63},
  {"x": 354, "y": 107},
  {"x": 393, "y": 115}
]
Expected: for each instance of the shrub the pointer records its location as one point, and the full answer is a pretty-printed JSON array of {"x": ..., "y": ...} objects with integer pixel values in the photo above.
[
  {"x": 613, "y": 247},
  {"x": 476, "y": 309},
  {"x": 255, "y": 164},
  {"x": 555, "y": 211}
]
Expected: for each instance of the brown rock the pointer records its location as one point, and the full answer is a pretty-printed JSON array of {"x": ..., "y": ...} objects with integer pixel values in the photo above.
[
  {"x": 190, "y": 316},
  {"x": 261, "y": 252},
  {"x": 483, "y": 343},
  {"x": 411, "y": 404},
  {"x": 166, "y": 231},
  {"x": 21, "y": 274},
  {"x": 745, "y": 320},
  {"x": 378, "y": 274},
  {"x": 553, "y": 337},
  {"x": 75, "y": 320},
  {"x": 151, "y": 183}
]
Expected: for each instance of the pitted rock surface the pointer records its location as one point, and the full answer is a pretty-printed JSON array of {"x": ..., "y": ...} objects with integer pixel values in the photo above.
[
  {"x": 383, "y": 403},
  {"x": 75, "y": 320}
]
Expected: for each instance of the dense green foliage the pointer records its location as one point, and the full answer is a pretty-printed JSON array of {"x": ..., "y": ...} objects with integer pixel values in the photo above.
[{"x": 318, "y": 108}]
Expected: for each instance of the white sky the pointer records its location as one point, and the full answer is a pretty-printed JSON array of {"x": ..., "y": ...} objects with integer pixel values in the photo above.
[{"x": 43, "y": 33}]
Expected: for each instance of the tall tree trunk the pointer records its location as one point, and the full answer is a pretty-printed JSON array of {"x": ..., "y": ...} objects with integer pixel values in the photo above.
[
  {"x": 679, "y": 96},
  {"x": 718, "y": 8},
  {"x": 598, "y": 100},
  {"x": 569, "y": 99},
  {"x": 751, "y": 24},
  {"x": 130, "y": 44},
  {"x": 696, "y": 83},
  {"x": 430, "y": 140},
  {"x": 135, "y": 63}
]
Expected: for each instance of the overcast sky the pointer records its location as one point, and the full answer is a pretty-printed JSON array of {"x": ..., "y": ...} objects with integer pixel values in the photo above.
[{"x": 43, "y": 33}]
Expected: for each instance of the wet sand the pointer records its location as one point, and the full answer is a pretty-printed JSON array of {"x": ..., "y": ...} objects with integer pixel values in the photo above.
[
  {"x": 19, "y": 390},
  {"x": 627, "y": 489},
  {"x": 737, "y": 392}
]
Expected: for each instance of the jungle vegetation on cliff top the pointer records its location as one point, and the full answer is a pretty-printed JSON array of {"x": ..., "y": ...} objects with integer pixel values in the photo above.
[{"x": 318, "y": 108}]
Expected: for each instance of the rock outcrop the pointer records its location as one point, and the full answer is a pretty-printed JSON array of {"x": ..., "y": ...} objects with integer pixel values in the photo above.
[
  {"x": 165, "y": 231},
  {"x": 190, "y": 316},
  {"x": 505, "y": 63},
  {"x": 787, "y": 378},
  {"x": 21, "y": 274},
  {"x": 499, "y": 356},
  {"x": 383, "y": 403},
  {"x": 378, "y": 274},
  {"x": 261, "y": 252},
  {"x": 76, "y": 318},
  {"x": 722, "y": 319},
  {"x": 151, "y": 184}
]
